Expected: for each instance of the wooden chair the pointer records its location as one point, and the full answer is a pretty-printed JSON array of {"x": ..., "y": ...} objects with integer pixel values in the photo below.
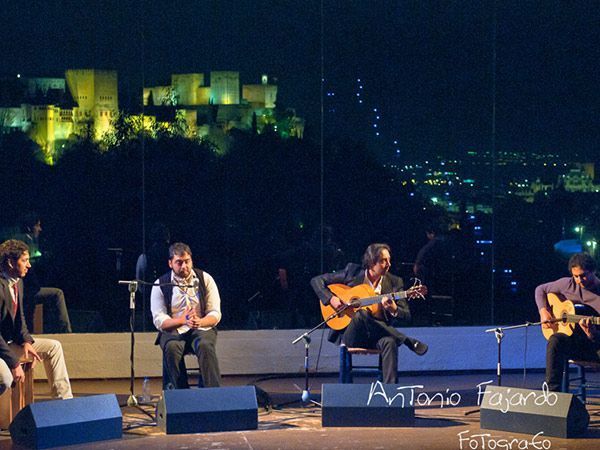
[
  {"x": 38, "y": 319},
  {"x": 348, "y": 369},
  {"x": 16, "y": 398},
  {"x": 581, "y": 384}
]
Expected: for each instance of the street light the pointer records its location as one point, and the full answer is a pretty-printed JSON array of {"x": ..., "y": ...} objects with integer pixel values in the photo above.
[{"x": 592, "y": 244}]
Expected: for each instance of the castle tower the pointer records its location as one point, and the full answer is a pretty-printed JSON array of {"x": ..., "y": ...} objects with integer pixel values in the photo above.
[{"x": 96, "y": 95}]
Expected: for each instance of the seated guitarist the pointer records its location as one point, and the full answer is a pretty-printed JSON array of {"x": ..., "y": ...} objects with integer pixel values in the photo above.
[
  {"x": 581, "y": 287},
  {"x": 365, "y": 330}
]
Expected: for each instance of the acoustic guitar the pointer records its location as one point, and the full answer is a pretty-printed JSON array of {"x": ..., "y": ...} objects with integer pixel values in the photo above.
[
  {"x": 362, "y": 297},
  {"x": 565, "y": 317}
]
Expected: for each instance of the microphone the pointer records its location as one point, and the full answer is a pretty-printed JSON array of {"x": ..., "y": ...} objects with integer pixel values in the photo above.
[{"x": 196, "y": 285}]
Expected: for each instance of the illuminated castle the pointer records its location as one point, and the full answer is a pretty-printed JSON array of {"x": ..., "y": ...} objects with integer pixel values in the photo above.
[
  {"x": 213, "y": 109},
  {"x": 85, "y": 104},
  {"x": 51, "y": 110}
]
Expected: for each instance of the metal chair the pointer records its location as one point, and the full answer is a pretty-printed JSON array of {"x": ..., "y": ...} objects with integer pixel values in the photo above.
[
  {"x": 184, "y": 368},
  {"x": 579, "y": 384}
]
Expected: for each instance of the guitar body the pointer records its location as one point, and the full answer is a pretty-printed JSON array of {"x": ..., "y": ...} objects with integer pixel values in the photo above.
[
  {"x": 348, "y": 294},
  {"x": 561, "y": 308}
]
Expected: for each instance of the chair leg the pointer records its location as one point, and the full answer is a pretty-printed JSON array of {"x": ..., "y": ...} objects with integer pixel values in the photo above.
[
  {"x": 345, "y": 366},
  {"x": 380, "y": 370},
  {"x": 581, "y": 371},
  {"x": 565, "y": 378}
]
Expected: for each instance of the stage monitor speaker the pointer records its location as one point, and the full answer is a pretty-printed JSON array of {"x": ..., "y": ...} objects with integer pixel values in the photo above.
[
  {"x": 531, "y": 412},
  {"x": 57, "y": 423},
  {"x": 367, "y": 405},
  {"x": 207, "y": 409}
]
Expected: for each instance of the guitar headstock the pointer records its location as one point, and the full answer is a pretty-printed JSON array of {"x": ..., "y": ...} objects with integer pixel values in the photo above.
[{"x": 417, "y": 290}]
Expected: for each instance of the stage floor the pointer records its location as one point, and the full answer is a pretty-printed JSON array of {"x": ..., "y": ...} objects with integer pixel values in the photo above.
[{"x": 294, "y": 426}]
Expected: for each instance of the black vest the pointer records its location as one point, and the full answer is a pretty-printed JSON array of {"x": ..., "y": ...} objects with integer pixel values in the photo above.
[{"x": 167, "y": 291}]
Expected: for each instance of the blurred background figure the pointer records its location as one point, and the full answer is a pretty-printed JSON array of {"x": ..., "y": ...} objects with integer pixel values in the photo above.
[
  {"x": 151, "y": 265},
  {"x": 56, "y": 316}
]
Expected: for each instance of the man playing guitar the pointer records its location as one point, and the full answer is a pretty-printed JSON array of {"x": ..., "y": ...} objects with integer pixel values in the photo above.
[
  {"x": 368, "y": 329},
  {"x": 582, "y": 287}
]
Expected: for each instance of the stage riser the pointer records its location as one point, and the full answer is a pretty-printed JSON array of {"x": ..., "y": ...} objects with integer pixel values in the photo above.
[{"x": 255, "y": 352}]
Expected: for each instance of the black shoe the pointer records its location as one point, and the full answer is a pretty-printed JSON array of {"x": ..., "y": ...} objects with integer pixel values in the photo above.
[{"x": 420, "y": 348}]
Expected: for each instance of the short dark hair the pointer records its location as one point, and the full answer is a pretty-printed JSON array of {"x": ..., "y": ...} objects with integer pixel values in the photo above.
[
  {"x": 372, "y": 254},
  {"x": 583, "y": 260},
  {"x": 11, "y": 250},
  {"x": 28, "y": 220},
  {"x": 179, "y": 248}
]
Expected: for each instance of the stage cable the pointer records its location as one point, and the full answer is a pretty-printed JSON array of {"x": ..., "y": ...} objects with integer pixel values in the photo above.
[
  {"x": 525, "y": 357},
  {"x": 322, "y": 165},
  {"x": 142, "y": 16},
  {"x": 493, "y": 148}
]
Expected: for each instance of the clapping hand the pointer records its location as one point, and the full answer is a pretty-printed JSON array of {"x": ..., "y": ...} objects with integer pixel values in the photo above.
[{"x": 191, "y": 317}]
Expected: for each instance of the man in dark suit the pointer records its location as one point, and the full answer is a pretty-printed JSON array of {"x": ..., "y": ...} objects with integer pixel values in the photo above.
[
  {"x": 366, "y": 329},
  {"x": 15, "y": 340}
]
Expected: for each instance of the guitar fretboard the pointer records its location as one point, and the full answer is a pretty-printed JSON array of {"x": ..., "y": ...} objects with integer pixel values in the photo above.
[
  {"x": 377, "y": 298},
  {"x": 576, "y": 318}
]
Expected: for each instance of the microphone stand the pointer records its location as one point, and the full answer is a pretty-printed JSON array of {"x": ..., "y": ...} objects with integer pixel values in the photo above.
[
  {"x": 306, "y": 396},
  {"x": 499, "y": 333},
  {"x": 132, "y": 285},
  {"x": 132, "y": 400}
]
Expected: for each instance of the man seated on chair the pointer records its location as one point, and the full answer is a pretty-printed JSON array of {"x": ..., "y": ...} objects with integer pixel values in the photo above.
[
  {"x": 583, "y": 287},
  {"x": 365, "y": 329},
  {"x": 15, "y": 340},
  {"x": 186, "y": 310},
  {"x": 53, "y": 299}
]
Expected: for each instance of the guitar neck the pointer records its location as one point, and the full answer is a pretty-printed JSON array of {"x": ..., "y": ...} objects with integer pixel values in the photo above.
[
  {"x": 595, "y": 320},
  {"x": 377, "y": 298}
]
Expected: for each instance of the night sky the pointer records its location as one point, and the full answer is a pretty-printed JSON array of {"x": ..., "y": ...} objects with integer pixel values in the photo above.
[{"x": 427, "y": 66}]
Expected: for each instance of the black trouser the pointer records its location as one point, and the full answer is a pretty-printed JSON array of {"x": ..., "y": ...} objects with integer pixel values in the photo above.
[
  {"x": 202, "y": 344},
  {"x": 55, "y": 309},
  {"x": 561, "y": 348},
  {"x": 368, "y": 332}
]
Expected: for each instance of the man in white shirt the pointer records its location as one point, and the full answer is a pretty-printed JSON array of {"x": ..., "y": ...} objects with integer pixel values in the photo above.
[{"x": 186, "y": 308}]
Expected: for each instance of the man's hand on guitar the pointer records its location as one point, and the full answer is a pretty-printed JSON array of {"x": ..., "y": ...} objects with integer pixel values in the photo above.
[
  {"x": 389, "y": 305},
  {"x": 590, "y": 330},
  {"x": 545, "y": 317},
  {"x": 335, "y": 303}
]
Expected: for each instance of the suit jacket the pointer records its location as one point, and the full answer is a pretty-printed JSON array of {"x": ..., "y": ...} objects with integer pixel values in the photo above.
[
  {"x": 353, "y": 275},
  {"x": 12, "y": 328}
]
